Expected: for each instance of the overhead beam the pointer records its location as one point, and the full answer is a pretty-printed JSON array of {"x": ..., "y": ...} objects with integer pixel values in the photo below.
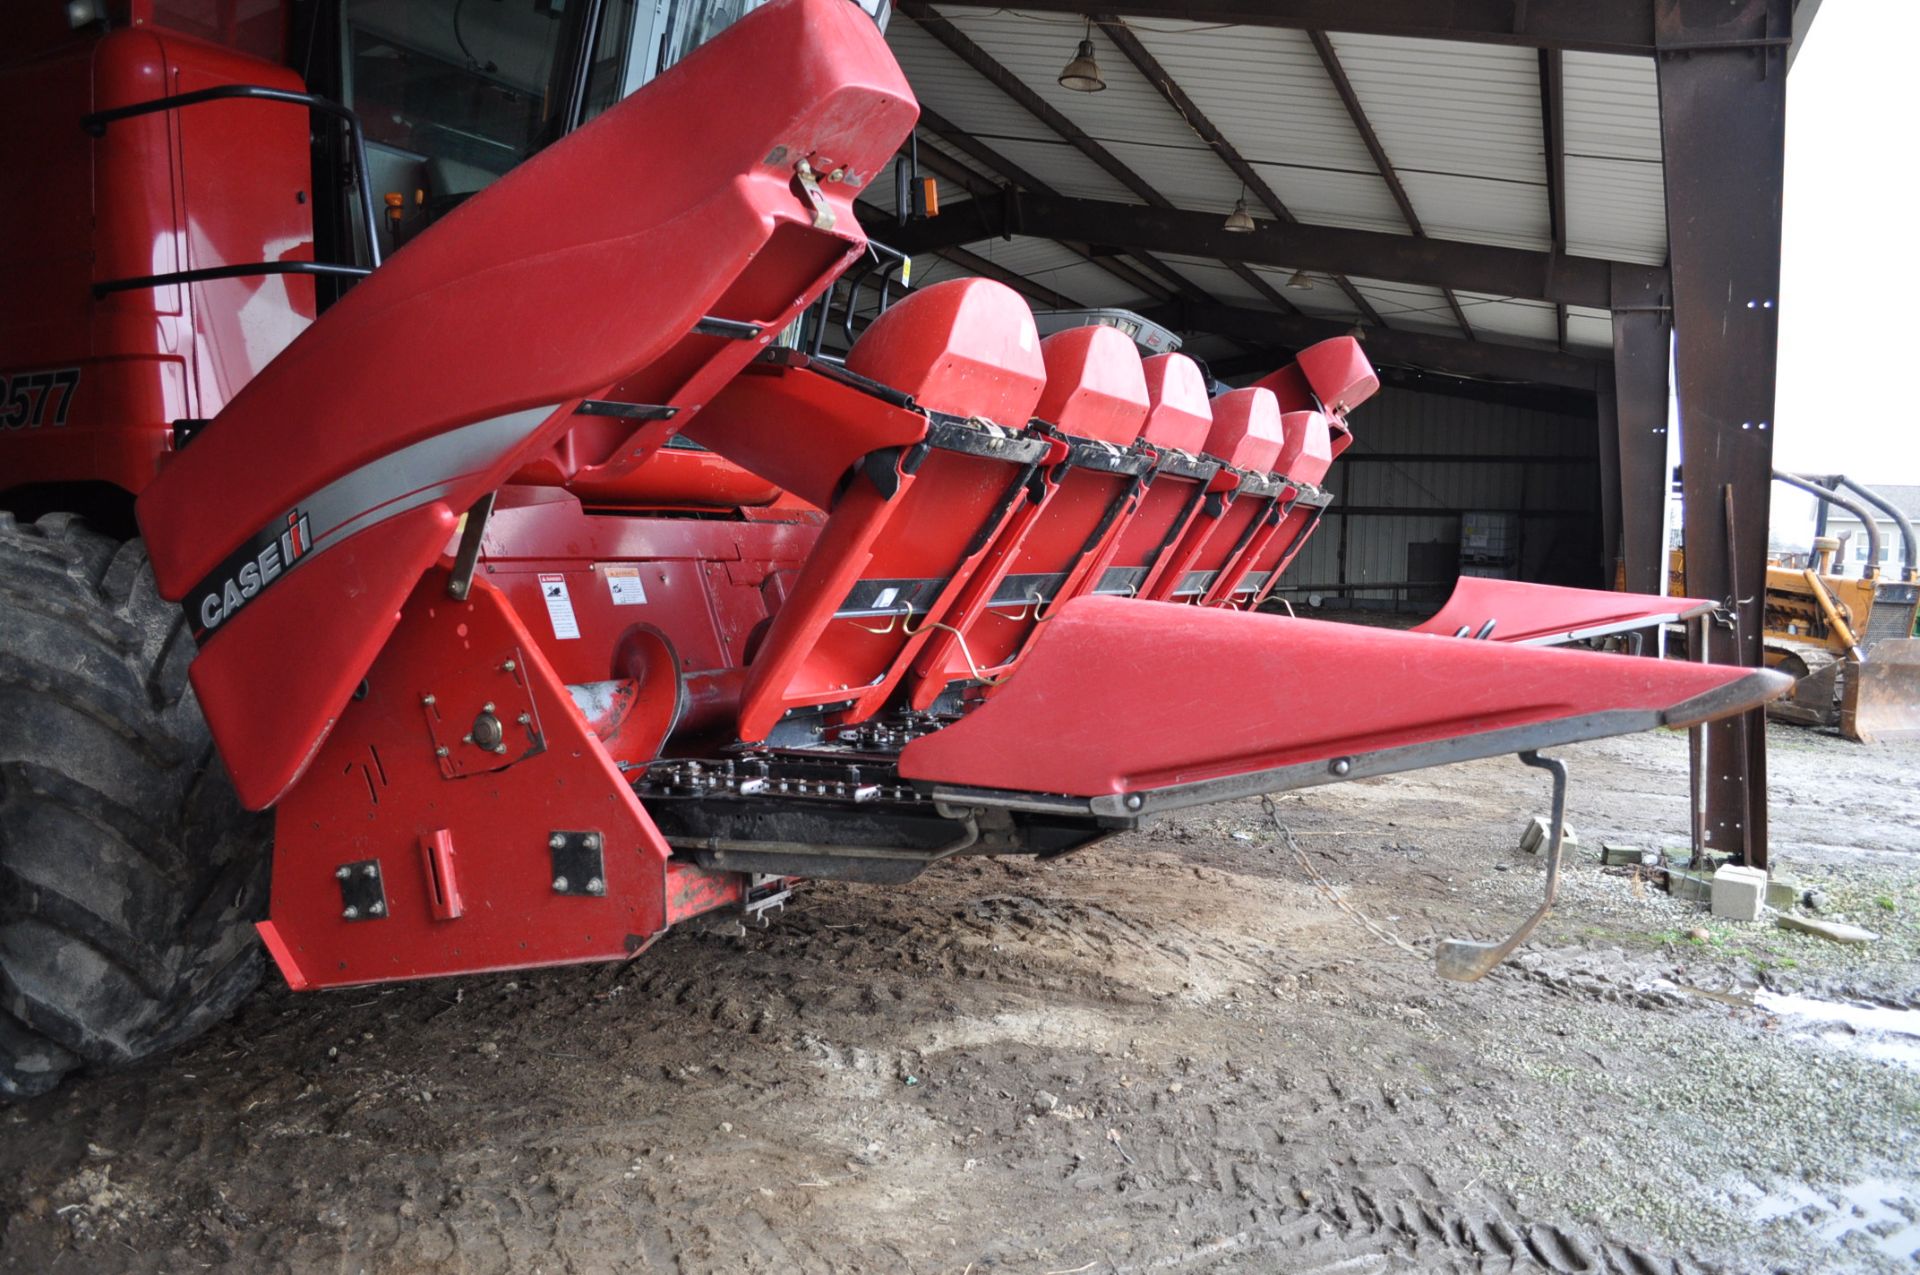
[
  {"x": 1451, "y": 355},
  {"x": 1440, "y": 263},
  {"x": 1189, "y": 110},
  {"x": 943, "y": 165},
  {"x": 1355, "y": 112},
  {"x": 1602, "y": 26}
]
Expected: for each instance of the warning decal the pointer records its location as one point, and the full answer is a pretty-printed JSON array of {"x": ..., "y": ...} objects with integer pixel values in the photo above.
[
  {"x": 624, "y": 584},
  {"x": 553, "y": 588}
]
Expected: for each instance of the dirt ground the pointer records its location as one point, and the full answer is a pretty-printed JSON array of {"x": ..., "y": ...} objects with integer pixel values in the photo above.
[{"x": 1173, "y": 1052}]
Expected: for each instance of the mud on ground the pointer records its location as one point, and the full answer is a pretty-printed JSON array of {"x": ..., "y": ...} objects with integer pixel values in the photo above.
[{"x": 1172, "y": 1052}]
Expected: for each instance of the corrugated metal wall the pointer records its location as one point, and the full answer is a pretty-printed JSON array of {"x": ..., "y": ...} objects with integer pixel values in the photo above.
[{"x": 1484, "y": 456}]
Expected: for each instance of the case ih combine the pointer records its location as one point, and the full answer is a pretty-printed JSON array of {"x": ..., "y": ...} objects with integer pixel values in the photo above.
[{"x": 544, "y": 588}]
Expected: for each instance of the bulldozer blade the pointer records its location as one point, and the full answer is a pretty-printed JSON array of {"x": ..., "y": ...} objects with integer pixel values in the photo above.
[
  {"x": 1880, "y": 696},
  {"x": 1124, "y": 709}
]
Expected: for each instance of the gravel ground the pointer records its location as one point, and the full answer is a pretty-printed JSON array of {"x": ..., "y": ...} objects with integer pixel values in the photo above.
[{"x": 1171, "y": 1052}]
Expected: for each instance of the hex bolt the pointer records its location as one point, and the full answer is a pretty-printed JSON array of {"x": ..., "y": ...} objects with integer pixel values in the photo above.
[
  {"x": 508, "y": 667},
  {"x": 371, "y": 870},
  {"x": 558, "y": 841},
  {"x": 466, "y": 739},
  {"x": 524, "y": 718},
  {"x": 351, "y": 913},
  {"x": 441, "y": 751},
  {"x": 487, "y": 707},
  {"x": 559, "y": 885},
  {"x": 427, "y": 700},
  {"x": 376, "y": 908},
  {"x": 593, "y": 841},
  {"x": 342, "y": 872},
  {"x": 596, "y": 886}
]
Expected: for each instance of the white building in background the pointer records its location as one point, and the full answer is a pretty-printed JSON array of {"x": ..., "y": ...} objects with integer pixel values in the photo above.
[{"x": 1843, "y": 525}]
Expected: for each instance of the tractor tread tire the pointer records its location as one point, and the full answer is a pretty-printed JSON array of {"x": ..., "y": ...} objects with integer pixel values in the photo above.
[{"x": 129, "y": 873}]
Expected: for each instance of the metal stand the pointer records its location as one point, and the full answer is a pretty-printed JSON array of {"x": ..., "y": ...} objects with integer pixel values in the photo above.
[{"x": 1467, "y": 960}]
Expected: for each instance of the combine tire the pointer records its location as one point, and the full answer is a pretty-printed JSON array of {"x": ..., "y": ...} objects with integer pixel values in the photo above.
[{"x": 129, "y": 874}]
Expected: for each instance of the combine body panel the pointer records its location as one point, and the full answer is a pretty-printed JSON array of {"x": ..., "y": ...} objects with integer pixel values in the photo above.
[
  {"x": 371, "y": 470},
  {"x": 99, "y": 367},
  {"x": 549, "y": 596}
]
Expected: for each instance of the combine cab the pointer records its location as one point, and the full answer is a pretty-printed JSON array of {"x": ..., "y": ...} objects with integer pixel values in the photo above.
[{"x": 545, "y": 595}]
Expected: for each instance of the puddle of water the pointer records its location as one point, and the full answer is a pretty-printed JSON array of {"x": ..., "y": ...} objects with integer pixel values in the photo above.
[
  {"x": 1878, "y": 1208},
  {"x": 1873, "y": 1030}
]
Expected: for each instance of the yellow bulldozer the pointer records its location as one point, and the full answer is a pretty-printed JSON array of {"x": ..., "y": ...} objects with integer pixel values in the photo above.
[{"x": 1851, "y": 643}]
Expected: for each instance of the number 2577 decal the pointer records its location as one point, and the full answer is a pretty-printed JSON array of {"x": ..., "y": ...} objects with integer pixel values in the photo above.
[{"x": 29, "y": 400}]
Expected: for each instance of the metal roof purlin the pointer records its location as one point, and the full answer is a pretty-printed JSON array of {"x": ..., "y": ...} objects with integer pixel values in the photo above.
[
  {"x": 1553, "y": 114},
  {"x": 957, "y": 43},
  {"x": 1344, "y": 87},
  {"x": 990, "y": 270},
  {"x": 1196, "y": 119}
]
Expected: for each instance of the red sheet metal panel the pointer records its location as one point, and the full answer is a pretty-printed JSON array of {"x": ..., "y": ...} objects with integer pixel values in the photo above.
[
  {"x": 1096, "y": 403},
  {"x": 1120, "y": 695},
  {"x": 1179, "y": 418},
  {"x": 1247, "y": 431},
  {"x": 1247, "y": 436},
  {"x": 459, "y": 836},
  {"x": 1338, "y": 370},
  {"x": 911, "y": 524},
  {"x": 1179, "y": 415},
  {"x": 473, "y": 344},
  {"x": 1305, "y": 456},
  {"x": 1096, "y": 385},
  {"x": 967, "y": 347},
  {"x": 1539, "y": 614}
]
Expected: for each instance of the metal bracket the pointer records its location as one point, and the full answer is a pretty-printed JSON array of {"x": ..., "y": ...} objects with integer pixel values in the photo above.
[
  {"x": 579, "y": 865},
  {"x": 823, "y": 214},
  {"x": 363, "y": 893},
  {"x": 1467, "y": 960},
  {"x": 467, "y": 557},
  {"x": 765, "y": 892}
]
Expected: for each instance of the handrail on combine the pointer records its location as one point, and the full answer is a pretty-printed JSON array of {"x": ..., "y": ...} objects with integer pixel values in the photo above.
[
  {"x": 96, "y": 124},
  {"x": 879, "y": 257}
]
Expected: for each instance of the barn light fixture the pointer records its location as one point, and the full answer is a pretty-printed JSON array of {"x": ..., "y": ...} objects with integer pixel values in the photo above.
[
  {"x": 1299, "y": 281},
  {"x": 1082, "y": 72},
  {"x": 1239, "y": 221}
]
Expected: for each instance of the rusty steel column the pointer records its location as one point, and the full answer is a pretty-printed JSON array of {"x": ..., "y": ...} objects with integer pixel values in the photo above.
[
  {"x": 1607, "y": 454},
  {"x": 1722, "y": 67},
  {"x": 1642, "y": 348}
]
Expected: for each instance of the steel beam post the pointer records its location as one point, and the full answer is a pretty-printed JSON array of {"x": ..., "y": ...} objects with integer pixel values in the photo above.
[
  {"x": 1607, "y": 450},
  {"x": 1722, "y": 71},
  {"x": 1642, "y": 351}
]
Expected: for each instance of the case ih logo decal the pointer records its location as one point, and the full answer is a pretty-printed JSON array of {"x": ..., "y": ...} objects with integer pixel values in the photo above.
[
  {"x": 251, "y": 568},
  {"x": 418, "y": 474}
]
